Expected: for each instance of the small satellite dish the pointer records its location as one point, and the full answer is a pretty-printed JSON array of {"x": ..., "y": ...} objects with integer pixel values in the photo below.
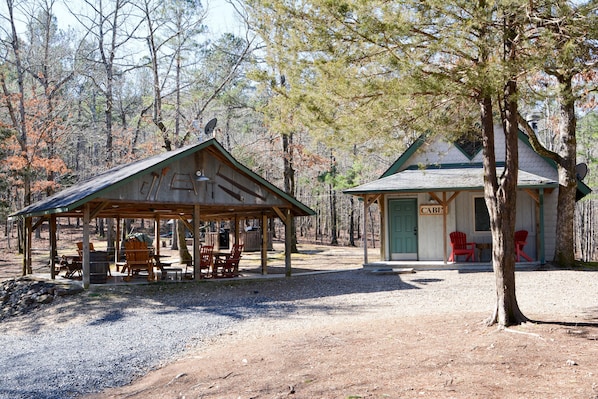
[
  {"x": 581, "y": 170},
  {"x": 209, "y": 129}
]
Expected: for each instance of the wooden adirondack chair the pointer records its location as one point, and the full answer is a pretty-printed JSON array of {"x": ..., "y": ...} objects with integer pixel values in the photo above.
[
  {"x": 229, "y": 265},
  {"x": 460, "y": 246},
  {"x": 73, "y": 266},
  {"x": 80, "y": 248},
  {"x": 205, "y": 262},
  {"x": 138, "y": 258},
  {"x": 520, "y": 242}
]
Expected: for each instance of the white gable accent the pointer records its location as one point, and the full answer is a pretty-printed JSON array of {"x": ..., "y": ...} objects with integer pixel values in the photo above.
[
  {"x": 438, "y": 152},
  {"x": 442, "y": 152}
]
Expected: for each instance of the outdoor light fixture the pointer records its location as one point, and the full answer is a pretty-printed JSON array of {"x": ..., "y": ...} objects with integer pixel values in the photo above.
[{"x": 199, "y": 176}]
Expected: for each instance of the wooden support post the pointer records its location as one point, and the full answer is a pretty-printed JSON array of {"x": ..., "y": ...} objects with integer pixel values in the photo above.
[
  {"x": 117, "y": 242},
  {"x": 27, "y": 237},
  {"x": 264, "y": 244},
  {"x": 53, "y": 246},
  {"x": 86, "y": 269},
  {"x": 196, "y": 243},
  {"x": 288, "y": 242},
  {"x": 157, "y": 234},
  {"x": 366, "y": 205},
  {"x": 287, "y": 218},
  {"x": 237, "y": 229}
]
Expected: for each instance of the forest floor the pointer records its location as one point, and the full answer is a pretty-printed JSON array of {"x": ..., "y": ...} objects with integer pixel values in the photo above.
[{"x": 435, "y": 346}]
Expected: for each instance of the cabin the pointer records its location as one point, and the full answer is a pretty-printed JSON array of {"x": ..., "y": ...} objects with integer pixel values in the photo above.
[
  {"x": 197, "y": 183},
  {"x": 436, "y": 187}
]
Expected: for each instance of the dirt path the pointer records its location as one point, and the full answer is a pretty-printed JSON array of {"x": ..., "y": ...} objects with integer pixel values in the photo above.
[{"x": 433, "y": 357}]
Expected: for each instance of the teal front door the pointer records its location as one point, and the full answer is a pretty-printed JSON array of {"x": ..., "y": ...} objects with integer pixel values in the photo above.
[{"x": 403, "y": 229}]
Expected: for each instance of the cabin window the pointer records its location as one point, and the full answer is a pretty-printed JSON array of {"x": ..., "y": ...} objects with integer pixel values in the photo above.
[{"x": 482, "y": 217}]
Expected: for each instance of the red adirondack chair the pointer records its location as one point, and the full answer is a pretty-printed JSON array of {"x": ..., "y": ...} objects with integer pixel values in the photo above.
[
  {"x": 520, "y": 242},
  {"x": 460, "y": 246},
  {"x": 229, "y": 265}
]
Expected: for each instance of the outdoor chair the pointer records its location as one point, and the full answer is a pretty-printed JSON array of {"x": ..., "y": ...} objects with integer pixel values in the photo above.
[
  {"x": 205, "y": 262},
  {"x": 520, "y": 242},
  {"x": 73, "y": 266},
  {"x": 138, "y": 258},
  {"x": 460, "y": 246},
  {"x": 228, "y": 266},
  {"x": 80, "y": 248}
]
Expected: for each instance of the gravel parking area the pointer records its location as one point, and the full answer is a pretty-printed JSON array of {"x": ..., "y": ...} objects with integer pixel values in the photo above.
[{"x": 108, "y": 336}]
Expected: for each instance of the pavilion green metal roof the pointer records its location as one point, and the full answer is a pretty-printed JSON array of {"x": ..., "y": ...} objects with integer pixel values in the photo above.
[{"x": 75, "y": 196}]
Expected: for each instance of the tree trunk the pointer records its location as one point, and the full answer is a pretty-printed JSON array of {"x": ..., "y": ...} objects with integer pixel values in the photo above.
[
  {"x": 352, "y": 223},
  {"x": 174, "y": 245},
  {"x": 184, "y": 254},
  {"x": 501, "y": 200},
  {"x": 333, "y": 218},
  {"x": 564, "y": 250},
  {"x": 289, "y": 181}
]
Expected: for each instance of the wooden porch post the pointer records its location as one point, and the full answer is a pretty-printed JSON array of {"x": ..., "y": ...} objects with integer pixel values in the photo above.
[
  {"x": 265, "y": 244},
  {"x": 365, "y": 229},
  {"x": 541, "y": 232},
  {"x": 86, "y": 270},
  {"x": 383, "y": 219},
  {"x": 196, "y": 244},
  {"x": 53, "y": 246},
  {"x": 444, "y": 212}
]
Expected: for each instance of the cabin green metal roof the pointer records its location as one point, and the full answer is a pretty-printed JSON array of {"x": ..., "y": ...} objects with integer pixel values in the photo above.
[
  {"x": 75, "y": 196},
  {"x": 458, "y": 179}
]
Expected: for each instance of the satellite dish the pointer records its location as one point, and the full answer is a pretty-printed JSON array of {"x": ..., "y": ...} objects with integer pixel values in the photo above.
[
  {"x": 581, "y": 170},
  {"x": 209, "y": 129}
]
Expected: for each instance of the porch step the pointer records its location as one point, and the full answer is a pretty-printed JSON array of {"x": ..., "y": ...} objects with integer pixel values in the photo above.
[{"x": 394, "y": 270}]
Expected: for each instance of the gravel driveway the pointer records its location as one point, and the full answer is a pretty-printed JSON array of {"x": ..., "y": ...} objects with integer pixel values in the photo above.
[{"x": 109, "y": 335}]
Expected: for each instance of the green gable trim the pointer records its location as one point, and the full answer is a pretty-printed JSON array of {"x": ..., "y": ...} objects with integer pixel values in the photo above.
[
  {"x": 396, "y": 166},
  {"x": 582, "y": 188},
  {"x": 261, "y": 180},
  {"x": 475, "y": 146}
]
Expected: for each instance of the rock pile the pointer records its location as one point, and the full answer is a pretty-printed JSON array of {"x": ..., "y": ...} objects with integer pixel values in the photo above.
[{"x": 20, "y": 295}]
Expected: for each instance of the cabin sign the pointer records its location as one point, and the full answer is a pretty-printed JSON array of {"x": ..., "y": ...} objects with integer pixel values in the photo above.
[{"x": 431, "y": 210}]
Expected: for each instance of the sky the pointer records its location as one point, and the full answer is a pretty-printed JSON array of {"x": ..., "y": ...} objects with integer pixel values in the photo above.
[
  {"x": 222, "y": 18},
  {"x": 221, "y": 15}
]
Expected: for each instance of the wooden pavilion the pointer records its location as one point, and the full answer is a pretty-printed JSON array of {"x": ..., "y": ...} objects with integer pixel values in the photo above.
[{"x": 198, "y": 182}]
